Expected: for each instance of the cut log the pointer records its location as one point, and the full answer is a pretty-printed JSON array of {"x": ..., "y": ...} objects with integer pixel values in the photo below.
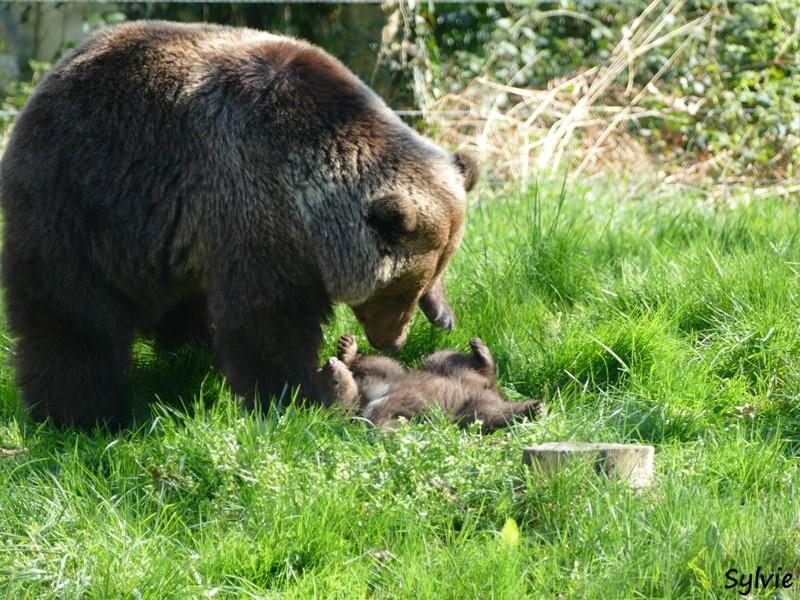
[{"x": 630, "y": 462}]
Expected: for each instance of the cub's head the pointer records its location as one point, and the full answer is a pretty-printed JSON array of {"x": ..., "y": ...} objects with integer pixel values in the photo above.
[{"x": 418, "y": 223}]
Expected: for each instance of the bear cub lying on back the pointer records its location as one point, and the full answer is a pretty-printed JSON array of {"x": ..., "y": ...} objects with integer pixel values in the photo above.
[{"x": 463, "y": 385}]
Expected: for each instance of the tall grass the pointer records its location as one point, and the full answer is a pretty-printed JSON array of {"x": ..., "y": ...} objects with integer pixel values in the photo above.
[{"x": 665, "y": 322}]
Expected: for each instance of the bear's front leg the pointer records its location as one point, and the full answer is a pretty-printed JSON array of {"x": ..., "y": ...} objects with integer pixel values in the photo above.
[
  {"x": 435, "y": 306},
  {"x": 267, "y": 353}
]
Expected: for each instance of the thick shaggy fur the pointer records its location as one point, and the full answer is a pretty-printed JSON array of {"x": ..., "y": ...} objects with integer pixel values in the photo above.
[
  {"x": 166, "y": 177},
  {"x": 463, "y": 385}
]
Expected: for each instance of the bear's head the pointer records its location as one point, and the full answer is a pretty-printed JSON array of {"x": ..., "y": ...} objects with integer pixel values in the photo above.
[{"x": 419, "y": 222}]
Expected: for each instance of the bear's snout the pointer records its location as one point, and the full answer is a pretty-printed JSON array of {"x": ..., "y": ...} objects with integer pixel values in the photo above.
[
  {"x": 386, "y": 325},
  {"x": 387, "y": 341}
]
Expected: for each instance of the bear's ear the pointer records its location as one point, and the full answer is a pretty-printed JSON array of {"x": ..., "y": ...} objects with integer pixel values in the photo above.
[
  {"x": 392, "y": 215},
  {"x": 468, "y": 166}
]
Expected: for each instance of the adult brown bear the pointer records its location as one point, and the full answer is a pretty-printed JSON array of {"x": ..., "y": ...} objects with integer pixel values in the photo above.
[{"x": 167, "y": 176}]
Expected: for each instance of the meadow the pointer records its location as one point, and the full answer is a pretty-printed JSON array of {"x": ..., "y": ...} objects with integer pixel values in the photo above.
[{"x": 669, "y": 321}]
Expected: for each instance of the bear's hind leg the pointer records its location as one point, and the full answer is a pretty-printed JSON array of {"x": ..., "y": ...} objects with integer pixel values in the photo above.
[
  {"x": 73, "y": 374},
  {"x": 495, "y": 413}
]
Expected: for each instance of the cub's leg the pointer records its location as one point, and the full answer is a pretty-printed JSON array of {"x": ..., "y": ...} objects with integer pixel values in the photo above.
[
  {"x": 363, "y": 366},
  {"x": 483, "y": 361},
  {"x": 495, "y": 413},
  {"x": 347, "y": 348},
  {"x": 447, "y": 363},
  {"x": 339, "y": 384},
  {"x": 384, "y": 412}
]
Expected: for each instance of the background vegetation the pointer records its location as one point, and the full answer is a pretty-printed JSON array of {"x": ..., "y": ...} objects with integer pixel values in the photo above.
[
  {"x": 698, "y": 92},
  {"x": 704, "y": 91}
]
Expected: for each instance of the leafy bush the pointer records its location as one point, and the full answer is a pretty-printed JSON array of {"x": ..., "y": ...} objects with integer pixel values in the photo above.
[
  {"x": 726, "y": 77},
  {"x": 727, "y": 89}
]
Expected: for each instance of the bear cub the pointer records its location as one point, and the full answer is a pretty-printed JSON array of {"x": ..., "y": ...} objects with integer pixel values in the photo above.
[{"x": 463, "y": 385}]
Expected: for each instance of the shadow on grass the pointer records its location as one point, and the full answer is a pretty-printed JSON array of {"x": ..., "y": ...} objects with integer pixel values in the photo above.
[
  {"x": 177, "y": 378},
  {"x": 184, "y": 378}
]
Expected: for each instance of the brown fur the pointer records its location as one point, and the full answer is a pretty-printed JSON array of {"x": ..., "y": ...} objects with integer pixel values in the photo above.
[
  {"x": 463, "y": 385},
  {"x": 164, "y": 177}
]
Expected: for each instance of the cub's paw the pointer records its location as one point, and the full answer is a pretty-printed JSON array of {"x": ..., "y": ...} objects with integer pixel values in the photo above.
[
  {"x": 481, "y": 350},
  {"x": 348, "y": 348},
  {"x": 339, "y": 385},
  {"x": 334, "y": 372},
  {"x": 532, "y": 409}
]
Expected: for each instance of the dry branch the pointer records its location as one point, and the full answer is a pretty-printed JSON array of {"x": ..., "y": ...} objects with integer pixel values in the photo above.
[{"x": 582, "y": 122}]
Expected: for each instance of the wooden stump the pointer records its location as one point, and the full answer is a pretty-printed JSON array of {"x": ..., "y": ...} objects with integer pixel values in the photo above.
[{"x": 630, "y": 462}]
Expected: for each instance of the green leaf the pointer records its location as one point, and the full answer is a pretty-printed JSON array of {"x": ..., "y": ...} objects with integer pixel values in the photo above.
[{"x": 510, "y": 533}]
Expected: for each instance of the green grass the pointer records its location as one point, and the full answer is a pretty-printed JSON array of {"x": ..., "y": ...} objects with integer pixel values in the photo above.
[{"x": 667, "y": 322}]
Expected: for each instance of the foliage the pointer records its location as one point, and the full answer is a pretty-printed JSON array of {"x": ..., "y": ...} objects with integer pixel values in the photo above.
[
  {"x": 639, "y": 320},
  {"x": 739, "y": 75},
  {"x": 14, "y": 96},
  {"x": 728, "y": 98}
]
